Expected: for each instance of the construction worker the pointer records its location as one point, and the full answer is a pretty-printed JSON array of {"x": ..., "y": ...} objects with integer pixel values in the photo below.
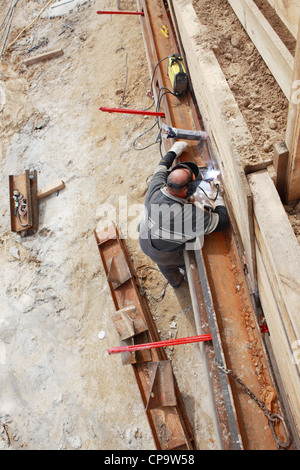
[{"x": 173, "y": 215}]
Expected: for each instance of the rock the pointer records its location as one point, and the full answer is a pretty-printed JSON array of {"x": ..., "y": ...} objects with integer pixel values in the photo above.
[
  {"x": 267, "y": 146},
  {"x": 257, "y": 107},
  {"x": 75, "y": 442},
  {"x": 272, "y": 124},
  {"x": 246, "y": 102},
  {"x": 236, "y": 41},
  {"x": 14, "y": 251},
  {"x": 41, "y": 121},
  {"x": 297, "y": 208}
]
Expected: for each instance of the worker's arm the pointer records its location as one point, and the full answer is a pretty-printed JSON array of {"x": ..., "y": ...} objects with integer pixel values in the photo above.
[{"x": 217, "y": 219}]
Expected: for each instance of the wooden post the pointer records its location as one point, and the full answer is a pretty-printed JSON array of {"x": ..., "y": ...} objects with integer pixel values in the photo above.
[
  {"x": 293, "y": 132},
  {"x": 280, "y": 161},
  {"x": 288, "y": 12}
]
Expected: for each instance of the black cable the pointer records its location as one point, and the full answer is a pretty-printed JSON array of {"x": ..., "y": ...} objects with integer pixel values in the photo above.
[
  {"x": 143, "y": 292},
  {"x": 211, "y": 199},
  {"x": 159, "y": 99}
]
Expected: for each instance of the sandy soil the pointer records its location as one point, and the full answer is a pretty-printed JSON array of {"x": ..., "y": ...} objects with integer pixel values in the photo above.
[{"x": 59, "y": 387}]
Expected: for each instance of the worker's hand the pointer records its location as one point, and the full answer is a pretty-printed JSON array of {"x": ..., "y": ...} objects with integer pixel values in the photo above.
[{"x": 178, "y": 148}]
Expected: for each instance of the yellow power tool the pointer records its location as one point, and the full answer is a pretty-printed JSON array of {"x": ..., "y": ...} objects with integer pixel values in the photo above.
[{"x": 177, "y": 74}]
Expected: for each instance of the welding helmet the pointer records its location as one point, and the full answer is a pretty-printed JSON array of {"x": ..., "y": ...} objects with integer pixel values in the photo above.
[{"x": 195, "y": 178}]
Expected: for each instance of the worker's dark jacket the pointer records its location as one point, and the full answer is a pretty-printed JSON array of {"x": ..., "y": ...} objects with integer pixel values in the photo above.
[{"x": 169, "y": 221}]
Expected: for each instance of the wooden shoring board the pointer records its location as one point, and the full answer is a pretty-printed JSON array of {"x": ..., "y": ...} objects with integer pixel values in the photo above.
[
  {"x": 278, "y": 255},
  {"x": 292, "y": 139},
  {"x": 289, "y": 13},
  {"x": 230, "y": 135},
  {"x": 173, "y": 419},
  {"x": 273, "y": 51}
]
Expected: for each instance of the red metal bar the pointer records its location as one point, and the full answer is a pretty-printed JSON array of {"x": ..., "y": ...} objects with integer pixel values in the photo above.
[
  {"x": 132, "y": 111},
  {"x": 120, "y": 13},
  {"x": 168, "y": 342},
  {"x": 160, "y": 344}
]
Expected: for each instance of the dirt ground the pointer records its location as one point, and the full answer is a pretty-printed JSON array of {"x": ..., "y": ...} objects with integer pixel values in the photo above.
[{"x": 59, "y": 387}]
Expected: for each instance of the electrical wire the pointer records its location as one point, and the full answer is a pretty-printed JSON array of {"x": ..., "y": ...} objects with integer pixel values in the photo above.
[
  {"x": 143, "y": 292},
  {"x": 159, "y": 100},
  {"x": 210, "y": 198},
  {"x": 7, "y": 25},
  {"x": 31, "y": 24}
]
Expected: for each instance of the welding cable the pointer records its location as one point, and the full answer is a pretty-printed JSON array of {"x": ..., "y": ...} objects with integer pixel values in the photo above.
[
  {"x": 7, "y": 13},
  {"x": 160, "y": 96},
  {"x": 142, "y": 134},
  {"x": 210, "y": 198},
  {"x": 21, "y": 212},
  {"x": 7, "y": 26},
  {"x": 143, "y": 292},
  {"x": 32, "y": 23}
]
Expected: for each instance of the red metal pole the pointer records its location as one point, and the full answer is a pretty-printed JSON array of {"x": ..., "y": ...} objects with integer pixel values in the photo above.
[
  {"x": 120, "y": 13},
  {"x": 168, "y": 342},
  {"x": 160, "y": 344},
  {"x": 131, "y": 111}
]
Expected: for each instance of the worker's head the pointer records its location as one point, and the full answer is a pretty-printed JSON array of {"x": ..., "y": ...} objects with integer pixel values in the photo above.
[{"x": 182, "y": 179}]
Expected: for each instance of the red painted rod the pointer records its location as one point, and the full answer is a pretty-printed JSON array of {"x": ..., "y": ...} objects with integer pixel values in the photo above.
[
  {"x": 168, "y": 342},
  {"x": 160, "y": 344},
  {"x": 131, "y": 111},
  {"x": 120, "y": 13}
]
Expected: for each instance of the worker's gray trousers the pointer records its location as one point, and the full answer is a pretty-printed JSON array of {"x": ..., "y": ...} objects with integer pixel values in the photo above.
[{"x": 168, "y": 262}]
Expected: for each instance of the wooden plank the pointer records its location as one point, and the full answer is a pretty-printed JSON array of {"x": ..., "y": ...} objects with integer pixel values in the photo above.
[
  {"x": 53, "y": 188},
  {"x": 288, "y": 12},
  {"x": 229, "y": 134},
  {"x": 280, "y": 349},
  {"x": 293, "y": 133},
  {"x": 42, "y": 57},
  {"x": 273, "y": 51},
  {"x": 278, "y": 270}
]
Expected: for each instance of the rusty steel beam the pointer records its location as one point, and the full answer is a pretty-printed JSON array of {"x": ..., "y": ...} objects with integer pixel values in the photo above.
[{"x": 125, "y": 290}]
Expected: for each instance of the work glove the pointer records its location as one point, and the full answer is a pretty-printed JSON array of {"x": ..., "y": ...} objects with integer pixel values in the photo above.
[{"x": 178, "y": 148}]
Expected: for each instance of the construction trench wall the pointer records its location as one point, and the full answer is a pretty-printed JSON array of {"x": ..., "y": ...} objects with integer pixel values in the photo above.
[{"x": 267, "y": 240}]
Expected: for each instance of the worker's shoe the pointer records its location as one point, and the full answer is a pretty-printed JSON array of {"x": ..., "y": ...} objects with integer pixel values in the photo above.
[
  {"x": 182, "y": 277},
  {"x": 178, "y": 148},
  {"x": 180, "y": 280}
]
